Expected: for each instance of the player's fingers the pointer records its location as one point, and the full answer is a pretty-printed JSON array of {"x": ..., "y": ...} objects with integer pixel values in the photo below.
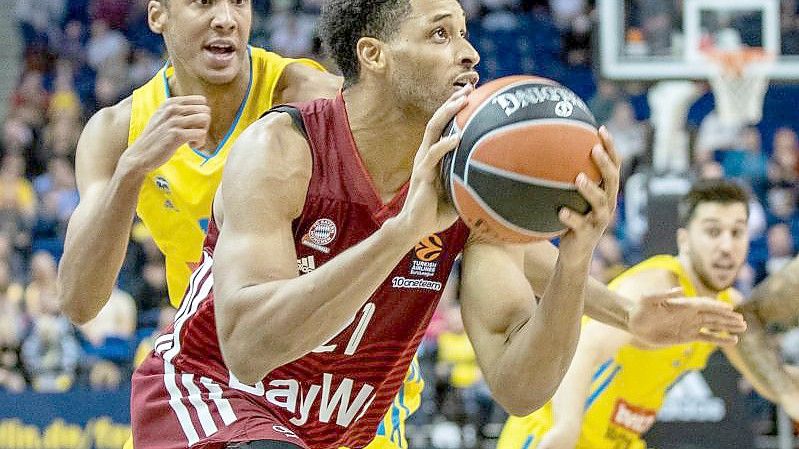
[
  {"x": 197, "y": 121},
  {"x": 572, "y": 219},
  {"x": 703, "y": 304},
  {"x": 609, "y": 171},
  {"x": 728, "y": 324},
  {"x": 675, "y": 292},
  {"x": 716, "y": 337},
  {"x": 444, "y": 114},
  {"x": 609, "y": 145},
  {"x": 594, "y": 195},
  {"x": 193, "y": 109},
  {"x": 442, "y": 147},
  {"x": 188, "y": 100}
]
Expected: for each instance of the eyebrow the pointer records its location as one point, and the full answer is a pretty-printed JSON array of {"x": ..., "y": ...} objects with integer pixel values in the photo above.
[{"x": 445, "y": 15}]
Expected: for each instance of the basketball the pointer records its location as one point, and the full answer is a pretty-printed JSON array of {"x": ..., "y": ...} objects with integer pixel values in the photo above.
[{"x": 524, "y": 140}]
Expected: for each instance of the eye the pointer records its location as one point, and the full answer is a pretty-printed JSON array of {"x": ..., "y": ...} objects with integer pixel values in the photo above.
[
  {"x": 440, "y": 34},
  {"x": 713, "y": 232}
]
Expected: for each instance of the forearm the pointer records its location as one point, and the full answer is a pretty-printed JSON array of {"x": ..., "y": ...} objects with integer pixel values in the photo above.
[
  {"x": 601, "y": 303},
  {"x": 540, "y": 352},
  {"x": 305, "y": 312},
  {"x": 757, "y": 357},
  {"x": 95, "y": 246},
  {"x": 607, "y": 306}
]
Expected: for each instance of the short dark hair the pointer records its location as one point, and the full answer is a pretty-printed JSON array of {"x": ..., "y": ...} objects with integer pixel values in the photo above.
[
  {"x": 344, "y": 22},
  {"x": 711, "y": 191}
]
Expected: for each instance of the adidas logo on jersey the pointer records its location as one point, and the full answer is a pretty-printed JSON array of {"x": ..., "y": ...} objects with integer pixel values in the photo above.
[
  {"x": 306, "y": 264},
  {"x": 691, "y": 399}
]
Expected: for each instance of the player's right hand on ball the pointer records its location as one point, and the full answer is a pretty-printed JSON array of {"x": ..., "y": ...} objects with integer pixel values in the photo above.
[
  {"x": 179, "y": 120},
  {"x": 585, "y": 230},
  {"x": 425, "y": 207}
]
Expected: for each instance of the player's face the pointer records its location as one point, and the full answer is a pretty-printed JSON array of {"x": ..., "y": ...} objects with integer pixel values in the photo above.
[
  {"x": 207, "y": 38},
  {"x": 716, "y": 242},
  {"x": 430, "y": 56}
]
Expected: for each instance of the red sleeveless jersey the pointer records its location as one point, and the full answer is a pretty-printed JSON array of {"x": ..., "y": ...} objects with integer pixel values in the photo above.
[{"x": 338, "y": 394}]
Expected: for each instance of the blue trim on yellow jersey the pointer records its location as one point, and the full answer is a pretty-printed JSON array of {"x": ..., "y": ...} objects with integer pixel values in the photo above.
[
  {"x": 602, "y": 387},
  {"x": 528, "y": 442},
  {"x": 601, "y": 369},
  {"x": 207, "y": 157}
]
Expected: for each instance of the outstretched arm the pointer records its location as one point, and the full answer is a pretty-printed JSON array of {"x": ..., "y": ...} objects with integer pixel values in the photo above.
[{"x": 775, "y": 300}]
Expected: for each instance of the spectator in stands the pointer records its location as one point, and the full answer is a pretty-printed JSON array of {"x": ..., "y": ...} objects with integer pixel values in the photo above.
[
  {"x": 714, "y": 135},
  {"x": 17, "y": 136},
  {"x": 51, "y": 354},
  {"x": 466, "y": 399},
  {"x": 112, "y": 12},
  {"x": 629, "y": 135},
  {"x": 13, "y": 324},
  {"x": 780, "y": 247},
  {"x": 151, "y": 293},
  {"x": 166, "y": 315},
  {"x": 41, "y": 295},
  {"x": 784, "y": 158},
  {"x": 17, "y": 200},
  {"x": 107, "y": 51},
  {"x": 604, "y": 101},
  {"x": 38, "y": 21},
  {"x": 108, "y": 342},
  {"x": 29, "y": 100}
]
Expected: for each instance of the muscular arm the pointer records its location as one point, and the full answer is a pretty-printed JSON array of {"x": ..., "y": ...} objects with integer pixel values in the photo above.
[
  {"x": 523, "y": 349},
  {"x": 99, "y": 229},
  {"x": 601, "y": 303},
  {"x": 663, "y": 317},
  {"x": 261, "y": 193},
  {"x": 775, "y": 300},
  {"x": 109, "y": 176}
]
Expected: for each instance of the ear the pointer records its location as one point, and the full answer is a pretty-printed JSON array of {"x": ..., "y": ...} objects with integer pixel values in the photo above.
[
  {"x": 371, "y": 54},
  {"x": 682, "y": 241},
  {"x": 156, "y": 16}
]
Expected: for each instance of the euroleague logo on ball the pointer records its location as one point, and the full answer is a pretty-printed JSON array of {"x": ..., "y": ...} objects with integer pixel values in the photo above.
[
  {"x": 564, "y": 109},
  {"x": 321, "y": 233}
]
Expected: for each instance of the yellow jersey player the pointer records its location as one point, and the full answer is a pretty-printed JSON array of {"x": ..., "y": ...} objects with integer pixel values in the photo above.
[{"x": 615, "y": 385}]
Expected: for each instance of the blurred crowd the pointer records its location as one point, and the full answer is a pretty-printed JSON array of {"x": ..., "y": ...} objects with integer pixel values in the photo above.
[{"x": 83, "y": 55}]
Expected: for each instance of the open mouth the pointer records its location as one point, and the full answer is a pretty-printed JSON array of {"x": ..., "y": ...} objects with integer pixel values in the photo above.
[
  {"x": 220, "y": 51},
  {"x": 470, "y": 78}
]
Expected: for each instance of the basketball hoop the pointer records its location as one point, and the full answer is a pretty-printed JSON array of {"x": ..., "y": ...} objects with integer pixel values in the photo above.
[{"x": 739, "y": 80}]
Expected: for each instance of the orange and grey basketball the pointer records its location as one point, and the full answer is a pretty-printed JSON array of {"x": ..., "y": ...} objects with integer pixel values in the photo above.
[{"x": 524, "y": 140}]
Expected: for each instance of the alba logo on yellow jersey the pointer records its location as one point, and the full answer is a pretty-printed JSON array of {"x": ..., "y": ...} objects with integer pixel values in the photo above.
[{"x": 429, "y": 248}]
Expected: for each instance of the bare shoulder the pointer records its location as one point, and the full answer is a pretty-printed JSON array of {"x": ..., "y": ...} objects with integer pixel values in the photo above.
[
  {"x": 647, "y": 282},
  {"x": 300, "y": 82},
  {"x": 270, "y": 163},
  {"x": 102, "y": 142}
]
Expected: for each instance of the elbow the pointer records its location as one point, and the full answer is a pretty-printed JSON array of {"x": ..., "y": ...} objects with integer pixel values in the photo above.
[
  {"x": 70, "y": 306},
  {"x": 526, "y": 403}
]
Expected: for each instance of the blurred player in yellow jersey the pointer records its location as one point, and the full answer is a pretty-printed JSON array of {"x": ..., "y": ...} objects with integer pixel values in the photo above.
[{"x": 616, "y": 384}]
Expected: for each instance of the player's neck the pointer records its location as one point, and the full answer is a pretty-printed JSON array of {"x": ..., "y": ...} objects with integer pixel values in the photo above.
[
  {"x": 702, "y": 289},
  {"x": 387, "y": 137}
]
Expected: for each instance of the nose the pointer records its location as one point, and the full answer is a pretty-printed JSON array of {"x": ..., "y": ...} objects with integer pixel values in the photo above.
[
  {"x": 223, "y": 19},
  {"x": 726, "y": 242},
  {"x": 468, "y": 55}
]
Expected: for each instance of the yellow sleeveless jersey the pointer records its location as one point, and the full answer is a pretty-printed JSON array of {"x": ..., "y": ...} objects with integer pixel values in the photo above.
[
  {"x": 627, "y": 390},
  {"x": 175, "y": 199}
]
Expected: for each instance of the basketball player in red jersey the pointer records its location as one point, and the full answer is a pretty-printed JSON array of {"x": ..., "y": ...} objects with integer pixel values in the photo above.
[{"x": 314, "y": 361}]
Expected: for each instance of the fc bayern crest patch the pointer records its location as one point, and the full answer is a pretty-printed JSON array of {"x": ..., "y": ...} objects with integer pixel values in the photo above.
[{"x": 321, "y": 233}]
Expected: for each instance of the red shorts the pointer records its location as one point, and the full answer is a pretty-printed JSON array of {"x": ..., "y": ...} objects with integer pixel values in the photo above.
[{"x": 174, "y": 410}]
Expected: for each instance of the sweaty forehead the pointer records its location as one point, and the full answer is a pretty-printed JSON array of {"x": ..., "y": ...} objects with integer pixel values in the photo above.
[
  {"x": 435, "y": 10},
  {"x": 722, "y": 213}
]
